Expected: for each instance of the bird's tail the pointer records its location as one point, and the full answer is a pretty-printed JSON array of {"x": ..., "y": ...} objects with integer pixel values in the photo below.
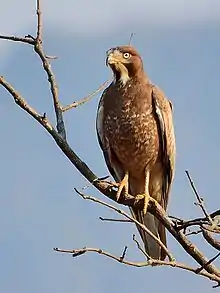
[{"x": 152, "y": 248}]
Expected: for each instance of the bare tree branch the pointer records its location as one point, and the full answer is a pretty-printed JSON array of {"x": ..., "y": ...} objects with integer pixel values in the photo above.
[
  {"x": 141, "y": 249},
  {"x": 39, "y": 22},
  {"x": 199, "y": 199},
  {"x": 87, "y": 98},
  {"x": 38, "y": 47},
  {"x": 26, "y": 40},
  {"x": 143, "y": 227},
  {"x": 130, "y": 39},
  {"x": 115, "y": 220},
  {"x": 151, "y": 262},
  {"x": 123, "y": 253}
]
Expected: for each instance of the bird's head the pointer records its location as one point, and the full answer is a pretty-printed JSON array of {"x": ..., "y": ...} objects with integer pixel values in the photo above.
[{"x": 125, "y": 63}]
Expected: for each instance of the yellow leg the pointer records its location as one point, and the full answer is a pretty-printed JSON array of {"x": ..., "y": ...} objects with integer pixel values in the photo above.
[
  {"x": 122, "y": 185},
  {"x": 146, "y": 195}
]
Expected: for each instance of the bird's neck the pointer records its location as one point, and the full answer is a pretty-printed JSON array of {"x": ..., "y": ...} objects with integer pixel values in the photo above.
[{"x": 131, "y": 80}]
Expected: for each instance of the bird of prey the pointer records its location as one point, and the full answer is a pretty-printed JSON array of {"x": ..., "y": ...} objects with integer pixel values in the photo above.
[{"x": 135, "y": 131}]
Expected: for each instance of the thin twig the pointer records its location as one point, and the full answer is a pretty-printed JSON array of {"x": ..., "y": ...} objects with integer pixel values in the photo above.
[
  {"x": 115, "y": 220},
  {"x": 26, "y": 40},
  {"x": 87, "y": 98},
  {"x": 141, "y": 249},
  {"x": 123, "y": 253},
  {"x": 181, "y": 224},
  {"x": 51, "y": 77},
  {"x": 152, "y": 262},
  {"x": 37, "y": 43},
  {"x": 143, "y": 227},
  {"x": 193, "y": 233},
  {"x": 200, "y": 201},
  {"x": 131, "y": 37},
  {"x": 39, "y": 22},
  {"x": 51, "y": 57}
]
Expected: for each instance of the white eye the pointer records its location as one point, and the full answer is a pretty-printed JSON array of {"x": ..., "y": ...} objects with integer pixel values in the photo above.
[{"x": 126, "y": 55}]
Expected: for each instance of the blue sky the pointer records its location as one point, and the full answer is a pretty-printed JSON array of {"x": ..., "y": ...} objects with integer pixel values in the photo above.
[{"x": 39, "y": 209}]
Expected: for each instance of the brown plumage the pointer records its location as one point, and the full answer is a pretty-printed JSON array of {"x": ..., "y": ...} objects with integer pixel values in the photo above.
[{"x": 135, "y": 131}]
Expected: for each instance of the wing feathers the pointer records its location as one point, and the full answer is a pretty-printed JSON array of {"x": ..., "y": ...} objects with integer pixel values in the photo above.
[
  {"x": 163, "y": 110},
  {"x": 111, "y": 160}
]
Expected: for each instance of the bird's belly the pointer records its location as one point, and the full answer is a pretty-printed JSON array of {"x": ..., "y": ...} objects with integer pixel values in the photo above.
[{"x": 134, "y": 139}]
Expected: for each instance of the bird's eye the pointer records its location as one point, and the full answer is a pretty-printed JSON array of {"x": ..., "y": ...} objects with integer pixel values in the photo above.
[{"x": 126, "y": 55}]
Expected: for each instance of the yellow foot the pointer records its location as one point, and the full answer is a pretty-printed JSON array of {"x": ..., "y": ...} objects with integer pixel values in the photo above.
[
  {"x": 146, "y": 198},
  {"x": 111, "y": 183},
  {"x": 121, "y": 185}
]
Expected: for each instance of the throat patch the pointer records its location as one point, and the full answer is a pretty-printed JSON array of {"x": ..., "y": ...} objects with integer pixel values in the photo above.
[{"x": 124, "y": 75}]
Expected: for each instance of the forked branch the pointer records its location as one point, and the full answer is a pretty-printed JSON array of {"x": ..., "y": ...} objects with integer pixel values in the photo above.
[{"x": 151, "y": 262}]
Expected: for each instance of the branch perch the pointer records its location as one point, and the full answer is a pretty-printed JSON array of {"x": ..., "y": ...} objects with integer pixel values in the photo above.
[{"x": 143, "y": 227}]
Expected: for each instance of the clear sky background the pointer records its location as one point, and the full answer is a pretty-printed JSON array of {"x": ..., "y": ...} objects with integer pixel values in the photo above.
[{"x": 180, "y": 45}]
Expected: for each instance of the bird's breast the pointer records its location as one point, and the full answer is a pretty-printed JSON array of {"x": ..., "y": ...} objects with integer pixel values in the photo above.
[{"x": 132, "y": 132}]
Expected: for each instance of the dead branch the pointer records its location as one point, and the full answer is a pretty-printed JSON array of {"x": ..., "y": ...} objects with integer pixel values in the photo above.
[
  {"x": 158, "y": 211},
  {"x": 130, "y": 39},
  {"x": 26, "y": 40},
  {"x": 141, "y": 249},
  {"x": 39, "y": 22},
  {"x": 123, "y": 253},
  {"x": 199, "y": 199},
  {"x": 187, "y": 245},
  {"x": 38, "y": 47},
  {"x": 114, "y": 220},
  {"x": 143, "y": 227},
  {"x": 193, "y": 233},
  {"x": 151, "y": 262},
  {"x": 87, "y": 98}
]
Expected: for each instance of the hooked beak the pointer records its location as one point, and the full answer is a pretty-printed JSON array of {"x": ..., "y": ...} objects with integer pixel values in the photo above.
[{"x": 113, "y": 56}]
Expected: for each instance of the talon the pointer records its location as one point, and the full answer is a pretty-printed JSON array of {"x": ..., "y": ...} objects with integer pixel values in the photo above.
[
  {"x": 146, "y": 198},
  {"x": 146, "y": 201},
  {"x": 111, "y": 183},
  {"x": 122, "y": 185}
]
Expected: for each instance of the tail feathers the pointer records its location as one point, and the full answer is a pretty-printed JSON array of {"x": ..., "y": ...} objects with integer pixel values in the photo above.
[{"x": 152, "y": 248}]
